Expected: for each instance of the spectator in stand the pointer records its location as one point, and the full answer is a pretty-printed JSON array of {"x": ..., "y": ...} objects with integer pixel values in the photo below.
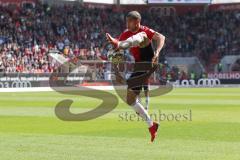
[{"x": 77, "y": 31}]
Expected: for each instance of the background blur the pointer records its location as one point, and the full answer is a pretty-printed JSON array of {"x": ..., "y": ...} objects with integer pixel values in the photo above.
[{"x": 202, "y": 38}]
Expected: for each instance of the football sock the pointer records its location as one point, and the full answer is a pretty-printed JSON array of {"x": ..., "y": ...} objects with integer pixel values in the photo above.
[
  {"x": 147, "y": 102},
  {"x": 142, "y": 113}
]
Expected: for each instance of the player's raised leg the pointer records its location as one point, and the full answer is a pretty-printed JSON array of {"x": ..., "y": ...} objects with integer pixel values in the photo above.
[{"x": 140, "y": 39}]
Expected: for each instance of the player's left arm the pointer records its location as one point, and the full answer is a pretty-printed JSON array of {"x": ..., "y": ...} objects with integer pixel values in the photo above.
[{"x": 160, "y": 41}]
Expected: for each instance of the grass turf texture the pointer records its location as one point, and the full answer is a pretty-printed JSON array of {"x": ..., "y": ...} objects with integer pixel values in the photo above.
[{"x": 29, "y": 129}]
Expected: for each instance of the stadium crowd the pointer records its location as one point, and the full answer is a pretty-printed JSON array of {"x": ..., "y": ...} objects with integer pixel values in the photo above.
[{"x": 27, "y": 34}]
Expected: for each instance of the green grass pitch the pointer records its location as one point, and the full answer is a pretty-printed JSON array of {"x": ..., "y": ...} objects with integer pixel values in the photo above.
[{"x": 29, "y": 129}]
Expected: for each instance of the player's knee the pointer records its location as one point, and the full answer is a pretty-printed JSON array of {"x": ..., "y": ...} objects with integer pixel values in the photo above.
[
  {"x": 143, "y": 34},
  {"x": 139, "y": 38},
  {"x": 145, "y": 41},
  {"x": 131, "y": 101}
]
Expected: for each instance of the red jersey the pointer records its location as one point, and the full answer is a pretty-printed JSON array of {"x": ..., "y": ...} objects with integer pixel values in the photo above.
[{"x": 135, "y": 51}]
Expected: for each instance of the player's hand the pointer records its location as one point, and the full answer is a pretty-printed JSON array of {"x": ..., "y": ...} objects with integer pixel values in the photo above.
[
  {"x": 155, "y": 59},
  {"x": 108, "y": 37},
  {"x": 112, "y": 40}
]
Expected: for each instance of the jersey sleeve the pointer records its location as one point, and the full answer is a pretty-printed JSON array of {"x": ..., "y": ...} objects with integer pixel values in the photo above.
[{"x": 149, "y": 32}]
